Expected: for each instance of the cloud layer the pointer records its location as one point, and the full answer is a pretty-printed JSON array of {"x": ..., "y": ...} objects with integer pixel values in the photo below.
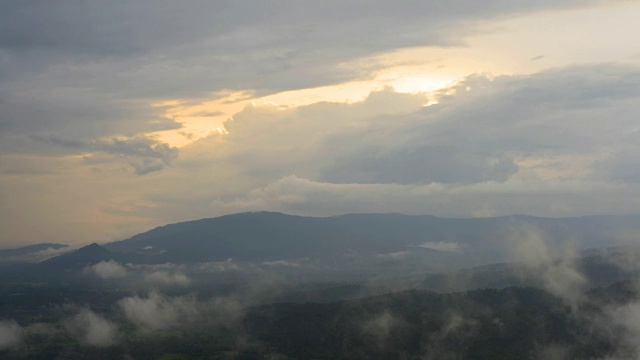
[
  {"x": 86, "y": 89},
  {"x": 551, "y": 144},
  {"x": 108, "y": 269},
  {"x": 155, "y": 312},
  {"x": 10, "y": 334},
  {"x": 92, "y": 329}
]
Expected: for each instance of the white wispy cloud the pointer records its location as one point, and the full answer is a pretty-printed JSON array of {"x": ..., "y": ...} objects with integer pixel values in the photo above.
[{"x": 108, "y": 269}]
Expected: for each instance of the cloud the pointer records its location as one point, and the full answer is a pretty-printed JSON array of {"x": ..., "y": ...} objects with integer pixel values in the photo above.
[
  {"x": 538, "y": 138},
  {"x": 441, "y": 246},
  {"x": 156, "y": 312},
  {"x": 381, "y": 327},
  {"x": 455, "y": 325},
  {"x": 108, "y": 269},
  {"x": 96, "y": 76},
  {"x": 296, "y": 195},
  {"x": 165, "y": 278},
  {"x": 155, "y": 155},
  {"x": 489, "y": 128},
  {"x": 284, "y": 263},
  {"x": 628, "y": 315},
  {"x": 556, "y": 143},
  {"x": 37, "y": 256},
  {"x": 67, "y": 121},
  {"x": 92, "y": 329},
  {"x": 394, "y": 255},
  {"x": 10, "y": 334},
  {"x": 49, "y": 253},
  {"x": 144, "y": 154},
  {"x": 265, "y": 42},
  {"x": 218, "y": 266},
  {"x": 552, "y": 266}
]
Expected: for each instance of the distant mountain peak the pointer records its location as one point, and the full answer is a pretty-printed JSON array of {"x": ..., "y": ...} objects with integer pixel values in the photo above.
[
  {"x": 32, "y": 253},
  {"x": 92, "y": 247},
  {"x": 87, "y": 255}
]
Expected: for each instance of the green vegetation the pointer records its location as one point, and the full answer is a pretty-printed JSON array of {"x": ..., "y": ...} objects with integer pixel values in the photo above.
[{"x": 512, "y": 323}]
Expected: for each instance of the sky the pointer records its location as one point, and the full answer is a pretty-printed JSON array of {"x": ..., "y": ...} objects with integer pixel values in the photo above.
[{"x": 119, "y": 116}]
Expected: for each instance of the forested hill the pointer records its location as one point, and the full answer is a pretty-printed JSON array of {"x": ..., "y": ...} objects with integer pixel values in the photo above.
[
  {"x": 267, "y": 236},
  {"x": 491, "y": 324}
]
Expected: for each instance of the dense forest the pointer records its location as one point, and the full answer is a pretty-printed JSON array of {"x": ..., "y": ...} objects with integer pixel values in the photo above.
[
  {"x": 511, "y": 323},
  {"x": 370, "y": 297}
]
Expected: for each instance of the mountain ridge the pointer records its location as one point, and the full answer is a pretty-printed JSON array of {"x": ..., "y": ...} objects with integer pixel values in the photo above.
[{"x": 269, "y": 236}]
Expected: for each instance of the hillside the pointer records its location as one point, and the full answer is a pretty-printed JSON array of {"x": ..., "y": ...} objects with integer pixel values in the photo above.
[{"x": 266, "y": 236}]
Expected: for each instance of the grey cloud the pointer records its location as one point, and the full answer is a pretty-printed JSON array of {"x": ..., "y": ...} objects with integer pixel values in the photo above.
[
  {"x": 454, "y": 324},
  {"x": 137, "y": 50},
  {"x": 167, "y": 279},
  {"x": 284, "y": 263},
  {"x": 381, "y": 327},
  {"x": 156, "y": 312},
  {"x": 146, "y": 166},
  {"x": 144, "y": 154},
  {"x": 147, "y": 155},
  {"x": 115, "y": 28},
  {"x": 48, "y": 108},
  {"x": 568, "y": 132},
  {"x": 621, "y": 165},
  {"x": 10, "y": 334},
  {"x": 92, "y": 329},
  {"x": 621, "y": 321},
  {"x": 441, "y": 246},
  {"x": 138, "y": 146},
  {"x": 159, "y": 267},
  {"x": 108, "y": 270},
  {"x": 394, "y": 255},
  {"x": 277, "y": 142},
  {"x": 135, "y": 26},
  {"x": 513, "y": 147},
  {"x": 542, "y": 198},
  {"x": 476, "y": 135},
  {"x": 221, "y": 266},
  {"x": 442, "y": 164},
  {"x": 554, "y": 269},
  {"x": 90, "y": 70}
]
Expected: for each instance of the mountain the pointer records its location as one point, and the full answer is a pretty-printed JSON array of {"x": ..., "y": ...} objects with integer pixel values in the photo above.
[
  {"x": 268, "y": 236},
  {"x": 78, "y": 259},
  {"x": 31, "y": 253}
]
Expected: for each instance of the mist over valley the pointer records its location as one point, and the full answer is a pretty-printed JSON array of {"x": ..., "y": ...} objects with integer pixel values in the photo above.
[{"x": 265, "y": 285}]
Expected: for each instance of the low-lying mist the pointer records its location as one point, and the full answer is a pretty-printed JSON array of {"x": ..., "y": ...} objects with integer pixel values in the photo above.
[{"x": 123, "y": 307}]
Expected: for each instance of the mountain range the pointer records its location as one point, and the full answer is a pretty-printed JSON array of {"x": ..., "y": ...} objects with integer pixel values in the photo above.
[
  {"x": 268, "y": 236},
  {"x": 359, "y": 246},
  {"x": 272, "y": 236}
]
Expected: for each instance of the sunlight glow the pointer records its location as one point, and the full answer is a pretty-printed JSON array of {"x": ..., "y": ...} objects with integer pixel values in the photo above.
[
  {"x": 498, "y": 50},
  {"x": 200, "y": 119}
]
